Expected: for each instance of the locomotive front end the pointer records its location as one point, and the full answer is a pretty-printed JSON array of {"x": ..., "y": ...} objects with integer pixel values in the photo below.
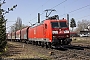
[{"x": 60, "y": 32}]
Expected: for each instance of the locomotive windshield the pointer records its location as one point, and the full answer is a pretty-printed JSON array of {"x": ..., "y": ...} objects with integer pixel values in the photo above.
[
  {"x": 54, "y": 24},
  {"x": 58, "y": 24},
  {"x": 63, "y": 24}
]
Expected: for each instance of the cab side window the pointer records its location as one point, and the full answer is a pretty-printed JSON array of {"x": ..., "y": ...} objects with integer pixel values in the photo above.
[{"x": 45, "y": 26}]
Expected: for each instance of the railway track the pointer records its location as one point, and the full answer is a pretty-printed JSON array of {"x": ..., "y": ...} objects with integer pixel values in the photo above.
[{"x": 73, "y": 52}]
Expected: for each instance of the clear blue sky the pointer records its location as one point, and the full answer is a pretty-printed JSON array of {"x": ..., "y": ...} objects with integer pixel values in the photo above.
[{"x": 27, "y": 9}]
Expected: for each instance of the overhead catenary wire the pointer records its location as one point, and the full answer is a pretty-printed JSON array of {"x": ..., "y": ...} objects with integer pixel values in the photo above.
[
  {"x": 68, "y": 12},
  {"x": 83, "y": 17},
  {"x": 11, "y": 21},
  {"x": 59, "y": 4},
  {"x": 80, "y": 11},
  {"x": 52, "y": 8},
  {"x": 56, "y": 5},
  {"x": 38, "y": 8},
  {"x": 77, "y": 9}
]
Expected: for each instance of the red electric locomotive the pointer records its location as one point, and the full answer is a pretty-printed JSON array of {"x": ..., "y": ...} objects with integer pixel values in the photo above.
[{"x": 50, "y": 32}]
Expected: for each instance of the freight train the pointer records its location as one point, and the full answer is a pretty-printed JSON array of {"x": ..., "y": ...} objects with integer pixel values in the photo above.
[{"x": 50, "y": 32}]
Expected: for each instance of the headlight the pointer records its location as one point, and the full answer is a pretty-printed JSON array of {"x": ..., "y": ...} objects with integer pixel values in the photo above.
[
  {"x": 53, "y": 36},
  {"x": 66, "y": 31}
]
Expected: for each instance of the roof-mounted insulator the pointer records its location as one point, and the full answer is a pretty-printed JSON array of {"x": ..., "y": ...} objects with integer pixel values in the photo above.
[
  {"x": 63, "y": 18},
  {"x": 55, "y": 17}
]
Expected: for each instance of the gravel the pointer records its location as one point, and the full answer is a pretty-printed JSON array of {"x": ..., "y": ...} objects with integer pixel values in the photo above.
[{"x": 17, "y": 50}]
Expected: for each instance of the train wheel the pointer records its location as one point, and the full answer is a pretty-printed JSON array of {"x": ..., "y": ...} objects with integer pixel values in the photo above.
[
  {"x": 27, "y": 42},
  {"x": 42, "y": 44},
  {"x": 49, "y": 45},
  {"x": 39, "y": 43},
  {"x": 36, "y": 43},
  {"x": 33, "y": 42},
  {"x": 46, "y": 45},
  {"x": 30, "y": 42}
]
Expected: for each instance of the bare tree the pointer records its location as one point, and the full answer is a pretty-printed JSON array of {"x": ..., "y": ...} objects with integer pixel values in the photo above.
[
  {"x": 81, "y": 25},
  {"x": 12, "y": 29},
  {"x": 18, "y": 25}
]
